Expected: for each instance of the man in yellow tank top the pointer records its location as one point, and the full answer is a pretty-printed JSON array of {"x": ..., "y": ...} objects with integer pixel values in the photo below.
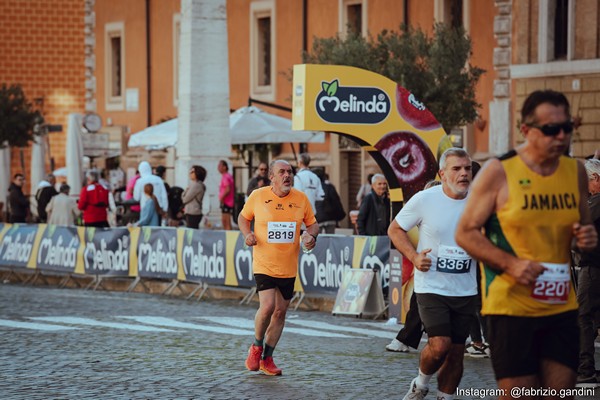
[
  {"x": 278, "y": 212},
  {"x": 524, "y": 210}
]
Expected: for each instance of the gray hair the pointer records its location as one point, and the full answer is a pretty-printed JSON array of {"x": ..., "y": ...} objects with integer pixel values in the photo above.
[
  {"x": 592, "y": 166},
  {"x": 92, "y": 174},
  {"x": 453, "y": 151},
  {"x": 304, "y": 159},
  {"x": 64, "y": 188},
  {"x": 431, "y": 184},
  {"x": 272, "y": 165},
  {"x": 377, "y": 177}
]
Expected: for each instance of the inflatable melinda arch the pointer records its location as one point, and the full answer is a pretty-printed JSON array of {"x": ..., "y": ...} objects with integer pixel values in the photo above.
[{"x": 397, "y": 130}]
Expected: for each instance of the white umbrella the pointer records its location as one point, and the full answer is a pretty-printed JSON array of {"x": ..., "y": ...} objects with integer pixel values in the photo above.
[
  {"x": 74, "y": 156},
  {"x": 247, "y": 125},
  {"x": 4, "y": 174},
  {"x": 62, "y": 172},
  {"x": 252, "y": 125},
  {"x": 38, "y": 163},
  {"x": 156, "y": 137}
]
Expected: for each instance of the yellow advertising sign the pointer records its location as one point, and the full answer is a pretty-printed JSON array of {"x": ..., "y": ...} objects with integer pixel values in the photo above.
[{"x": 399, "y": 132}]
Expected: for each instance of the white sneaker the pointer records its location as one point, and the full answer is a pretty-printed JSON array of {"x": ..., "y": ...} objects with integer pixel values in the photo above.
[
  {"x": 476, "y": 351},
  {"x": 397, "y": 346},
  {"x": 414, "y": 393}
]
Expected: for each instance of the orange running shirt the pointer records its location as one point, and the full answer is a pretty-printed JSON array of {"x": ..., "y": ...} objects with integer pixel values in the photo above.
[{"x": 277, "y": 223}]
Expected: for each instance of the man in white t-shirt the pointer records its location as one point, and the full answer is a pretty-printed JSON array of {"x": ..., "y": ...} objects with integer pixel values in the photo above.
[
  {"x": 308, "y": 182},
  {"x": 445, "y": 275}
]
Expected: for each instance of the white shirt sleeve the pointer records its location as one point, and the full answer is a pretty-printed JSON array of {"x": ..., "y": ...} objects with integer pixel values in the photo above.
[
  {"x": 411, "y": 214},
  {"x": 137, "y": 190},
  {"x": 298, "y": 182},
  {"x": 320, "y": 191}
]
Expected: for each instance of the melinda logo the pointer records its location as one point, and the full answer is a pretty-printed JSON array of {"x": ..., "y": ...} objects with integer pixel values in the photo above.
[{"x": 352, "y": 105}]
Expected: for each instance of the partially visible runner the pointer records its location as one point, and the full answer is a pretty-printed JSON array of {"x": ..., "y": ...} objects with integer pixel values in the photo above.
[
  {"x": 278, "y": 212},
  {"x": 531, "y": 203},
  {"x": 411, "y": 333},
  {"x": 588, "y": 285},
  {"x": 445, "y": 283}
]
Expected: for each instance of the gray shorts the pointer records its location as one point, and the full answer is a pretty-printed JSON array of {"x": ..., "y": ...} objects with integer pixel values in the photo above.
[{"x": 447, "y": 316}]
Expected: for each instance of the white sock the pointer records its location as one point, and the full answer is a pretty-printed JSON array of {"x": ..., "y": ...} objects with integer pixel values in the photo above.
[
  {"x": 444, "y": 396},
  {"x": 423, "y": 380}
]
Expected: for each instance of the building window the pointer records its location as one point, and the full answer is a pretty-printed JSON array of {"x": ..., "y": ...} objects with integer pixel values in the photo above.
[
  {"x": 115, "y": 65},
  {"x": 561, "y": 29},
  {"x": 263, "y": 26},
  {"x": 262, "y": 46},
  {"x": 556, "y": 30},
  {"x": 451, "y": 12},
  {"x": 353, "y": 17},
  {"x": 176, "y": 41}
]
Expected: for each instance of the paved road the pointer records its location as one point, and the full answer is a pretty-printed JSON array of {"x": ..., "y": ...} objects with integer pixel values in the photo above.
[{"x": 75, "y": 344}]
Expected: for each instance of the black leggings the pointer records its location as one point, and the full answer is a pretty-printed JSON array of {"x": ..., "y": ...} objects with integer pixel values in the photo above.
[
  {"x": 193, "y": 221},
  {"x": 412, "y": 331}
]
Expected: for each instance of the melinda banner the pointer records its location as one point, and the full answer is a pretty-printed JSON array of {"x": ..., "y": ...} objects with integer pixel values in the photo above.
[
  {"x": 322, "y": 270},
  {"x": 18, "y": 245},
  {"x": 202, "y": 256},
  {"x": 397, "y": 130},
  {"x": 157, "y": 253},
  {"x": 107, "y": 252},
  {"x": 58, "y": 249}
]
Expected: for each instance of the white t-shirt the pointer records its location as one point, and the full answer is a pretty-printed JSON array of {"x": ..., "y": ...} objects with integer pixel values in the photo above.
[
  {"x": 453, "y": 272},
  {"x": 309, "y": 183}
]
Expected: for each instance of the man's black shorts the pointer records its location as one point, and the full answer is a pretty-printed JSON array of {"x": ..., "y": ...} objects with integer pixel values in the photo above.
[
  {"x": 446, "y": 315},
  {"x": 226, "y": 210},
  {"x": 519, "y": 343},
  {"x": 285, "y": 285}
]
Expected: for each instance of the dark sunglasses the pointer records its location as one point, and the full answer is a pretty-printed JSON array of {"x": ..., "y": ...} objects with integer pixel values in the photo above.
[{"x": 554, "y": 129}]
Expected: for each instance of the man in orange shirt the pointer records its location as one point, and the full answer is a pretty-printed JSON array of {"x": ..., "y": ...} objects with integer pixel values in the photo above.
[{"x": 278, "y": 212}]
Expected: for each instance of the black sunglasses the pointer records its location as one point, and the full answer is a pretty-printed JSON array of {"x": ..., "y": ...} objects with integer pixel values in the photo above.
[{"x": 554, "y": 129}]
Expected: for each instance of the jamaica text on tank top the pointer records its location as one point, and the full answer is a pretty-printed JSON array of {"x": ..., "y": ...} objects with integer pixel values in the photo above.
[{"x": 535, "y": 224}]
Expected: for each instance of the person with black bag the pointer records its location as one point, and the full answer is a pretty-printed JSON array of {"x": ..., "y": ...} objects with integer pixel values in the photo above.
[
  {"x": 193, "y": 195},
  {"x": 44, "y": 194},
  {"x": 330, "y": 210}
]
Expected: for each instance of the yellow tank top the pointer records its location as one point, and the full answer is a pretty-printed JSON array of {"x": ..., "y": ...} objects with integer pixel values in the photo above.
[{"x": 535, "y": 224}]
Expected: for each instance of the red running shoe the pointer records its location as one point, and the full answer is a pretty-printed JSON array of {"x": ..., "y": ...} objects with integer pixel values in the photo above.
[
  {"x": 268, "y": 367},
  {"x": 254, "y": 354}
]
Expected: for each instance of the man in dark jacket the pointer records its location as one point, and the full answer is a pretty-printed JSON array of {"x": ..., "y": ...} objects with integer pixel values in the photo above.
[
  {"x": 17, "y": 201},
  {"x": 45, "y": 193},
  {"x": 374, "y": 213},
  {"x": 261, "y": 172}
]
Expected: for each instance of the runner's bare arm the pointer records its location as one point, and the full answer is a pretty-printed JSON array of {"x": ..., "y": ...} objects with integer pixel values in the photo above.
[
  {"x": 586, "y": 237},
  {"x": 487, "y": 194},
  {"x": 244, "y": 226},
  {"x": 401, "y": 241},
  {"x": 312, "y": 230}
]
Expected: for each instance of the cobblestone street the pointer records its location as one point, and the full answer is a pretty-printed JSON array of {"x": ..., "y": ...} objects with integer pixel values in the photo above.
[{"x": 75, "y": 344}]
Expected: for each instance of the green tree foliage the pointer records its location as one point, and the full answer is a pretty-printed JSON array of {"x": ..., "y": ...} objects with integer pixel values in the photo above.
[
  {"x": 17, "y": 118},
  {"x": 435, "y": 69}
]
